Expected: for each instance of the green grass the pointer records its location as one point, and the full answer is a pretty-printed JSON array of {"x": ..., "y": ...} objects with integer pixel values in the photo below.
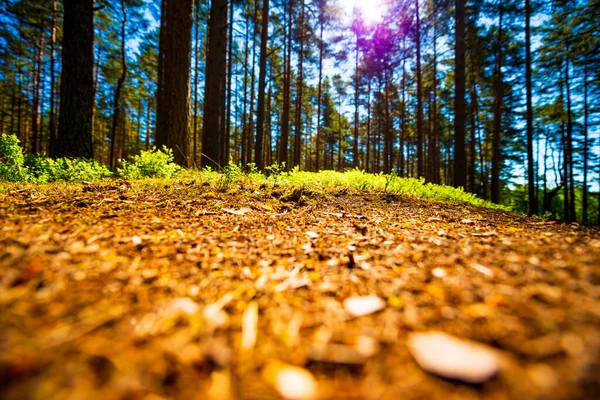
[
  {"x": 16, "y": 167},
  {"x": 355, "y": 179}
]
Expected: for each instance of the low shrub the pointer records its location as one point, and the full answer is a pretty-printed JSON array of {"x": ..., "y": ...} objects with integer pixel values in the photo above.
[
  {"x": 43, "y": 169},
  {"x": 12, "y": 160},
  {"x": 150, "y": 164}
]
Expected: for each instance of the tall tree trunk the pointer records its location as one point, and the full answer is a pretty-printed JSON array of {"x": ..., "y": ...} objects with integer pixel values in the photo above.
[
  {"x": 148, "y": 121},
  {"x": 94, "y": 108},
  {"x": 584, "y": 198},
  {"x": 387, "y": 129},
  {"x": 118, "y": 91},
  {"x": 356, "y": 97},
  {"x": 569, "y": 145},
  {"x": 161, "y": 131},
  {"x": 22, "y": 138},
  {"x": 368, "y": 149},
  {"x": 460, "y": 159},
  {"x": 496, "y": 141},
  {"x": 227, "y": 136},
  {"x": 529, "y": 113},
  {"x": 52, "y": 139},
  {"x": 262, "y": 74},
  {"x": 196, "y": 73},
  {"x": 471, "y": 169},
  {"x": 433, "y": 164},
  {"x": 287, "y": 76},
  {"x": 245, "y": 123},
  {"x": 213, "y": 131},
  {"x": 35, "y": 117},
  {"x": 76, "y": 86},
  {"x": 250, "y": 136},
  {"x": 420, "y": 169},
  {"x": 299, "y": 90},
  {"x": 319, "y": 95},
  {"x": 402, "y": 144}
]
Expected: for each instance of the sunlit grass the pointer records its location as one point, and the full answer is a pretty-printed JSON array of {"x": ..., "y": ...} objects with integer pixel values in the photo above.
[{"x": 354, "y": 178}]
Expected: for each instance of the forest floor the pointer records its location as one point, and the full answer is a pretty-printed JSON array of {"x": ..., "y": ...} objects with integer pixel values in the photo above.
[{"x": 183, "y": 290}]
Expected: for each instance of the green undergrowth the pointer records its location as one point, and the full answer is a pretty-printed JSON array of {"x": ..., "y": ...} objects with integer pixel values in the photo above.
[
  {"x": 275, "y": 175},
  {"x": 159, "y": 166}
]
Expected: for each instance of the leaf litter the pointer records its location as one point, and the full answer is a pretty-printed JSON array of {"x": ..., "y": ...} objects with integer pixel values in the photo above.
[{"x": 153, "y": 290}]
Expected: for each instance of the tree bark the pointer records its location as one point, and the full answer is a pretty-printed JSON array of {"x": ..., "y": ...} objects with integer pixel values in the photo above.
[
  {"x": 496, "y": 141},
  {"x": 262, "y": 74},
  {"x": 35, "y": 117},
  {"x": 460, "y": 160},
  {"x": 196, "y": 70},
  {"x": 420, "y": 169},
  {"x": 299, "y": 94},
  {"x": 319, "y": 94},
  {"x": 584, "y": 198},
  {"x": 118, "y": 91},
  {"x": 76, "y": 86},
  {"x": 287, "y": 76},
  {"x": 529, "y": 114},
  {"x": 213, "y": 130},
  {"x": 227, "y": 134},
  {"x": 52, "y": 139}
]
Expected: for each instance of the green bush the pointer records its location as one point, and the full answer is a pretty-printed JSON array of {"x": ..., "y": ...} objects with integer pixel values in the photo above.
[
  {"x": 43, "y": 169},
  {"x": 11, "y": 160},
  {"x": 150, "y": 164}
]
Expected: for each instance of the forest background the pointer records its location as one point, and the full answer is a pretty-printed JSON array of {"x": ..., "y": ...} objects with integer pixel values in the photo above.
[{"x": 498, "y": 97}]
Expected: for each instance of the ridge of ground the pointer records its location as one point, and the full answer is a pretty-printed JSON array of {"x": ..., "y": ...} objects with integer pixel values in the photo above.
[{"x": 144, "y": 289}]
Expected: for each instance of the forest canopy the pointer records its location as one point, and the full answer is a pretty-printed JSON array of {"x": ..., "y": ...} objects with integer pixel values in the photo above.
[{"x": 498, "y": 97}]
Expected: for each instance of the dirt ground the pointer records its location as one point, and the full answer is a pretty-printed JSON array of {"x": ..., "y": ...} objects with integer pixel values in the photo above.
[{"x": 190, "y": 290}]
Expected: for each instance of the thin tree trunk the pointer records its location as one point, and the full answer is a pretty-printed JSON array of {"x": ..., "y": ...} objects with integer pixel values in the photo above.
[
  {"x": 250, "y": 136},
  {"x": 95, "y": 94},
  {"x": 22, "y": 138},
  {"x": 319, "y": 96},
  {"x": 356, "y": 97},
  {"x": 299, "y": 99},
  {"x": 245, "y": 123},
  {"x": 569, "y": 153},
  {"x": 584, "y": 217},
  {"x": 52, "y": 118},
  {"x": 35, "y": 117},
  {"x": 471, "y": 183},
  {"x": 262, "y": 74},
  {"x": 460, "y": 159},
  {"x": 496, "y": 141},
  {"x": 403, "y": 120},
  {"x": 118, "y": 91},
  {"x": 529, "y": 113},
  {"x": 388, "y": 139},
  {"x": 368, "y": 150},
  {"x": 161, "y": 130},
  {"x": 196, "y": 73},
  {"x": 420, "y": 169},
  {"x": 434, "y": 151},
  {"x": 227, "y": 138},
  {"x": 148, "y": 120},
  {"x": 287, "y": 76}
]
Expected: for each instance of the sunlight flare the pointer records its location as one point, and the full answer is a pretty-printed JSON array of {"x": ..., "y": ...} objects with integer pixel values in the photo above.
[{"x": 371, "y": 10}]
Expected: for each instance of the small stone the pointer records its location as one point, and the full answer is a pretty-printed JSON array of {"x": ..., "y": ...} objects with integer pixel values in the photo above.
[
  {"x": 483, "y": 270},
  {"x": 363, "y": 305},
  {"x": 450, "y": 357},
  {"x": 439, "y": 273},
  {"x": 290, "y": 381}
]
